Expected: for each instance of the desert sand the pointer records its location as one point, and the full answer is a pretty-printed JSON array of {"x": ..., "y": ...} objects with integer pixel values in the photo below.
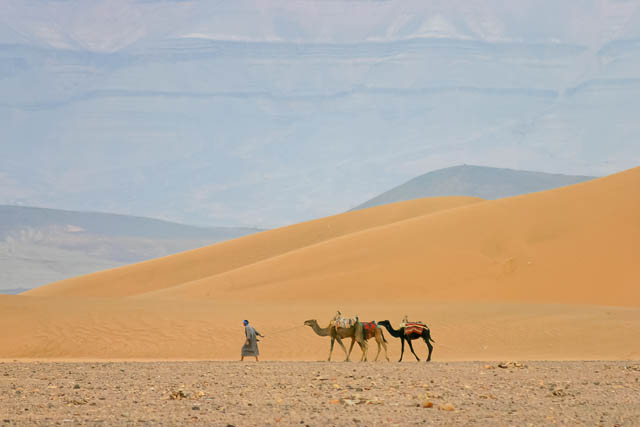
[
  {"x": 545, "y": 276},
  {"x": 551, "y": 279}
]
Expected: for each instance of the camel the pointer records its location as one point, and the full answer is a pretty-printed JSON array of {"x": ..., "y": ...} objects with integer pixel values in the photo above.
[
  {"x": 355, "y": 332},
  {"x": 372, "y": 330},
  {"x": 399, "y": 333}
]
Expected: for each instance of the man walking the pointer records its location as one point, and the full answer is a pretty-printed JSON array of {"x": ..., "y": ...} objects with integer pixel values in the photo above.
[{"x": 250, "y": 347}]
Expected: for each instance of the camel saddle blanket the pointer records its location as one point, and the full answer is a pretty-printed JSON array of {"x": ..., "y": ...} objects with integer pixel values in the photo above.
[
  {"x": 414, "y": 328},
  {"x": 370, "y": 329},
  {"x": 370, "y": 326}
]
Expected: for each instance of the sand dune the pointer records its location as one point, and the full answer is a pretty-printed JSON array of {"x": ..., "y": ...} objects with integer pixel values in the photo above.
[
  {"x": 551, "y": 275},
  {"x": 578, "y": 244},
  {"x": 192, "y": 265}
]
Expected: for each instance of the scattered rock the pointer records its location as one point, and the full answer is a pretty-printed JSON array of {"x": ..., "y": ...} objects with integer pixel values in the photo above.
[
  {"x": 528, "y": 397},
  {"x": 505, "y": 365},
  {"x": 446, "y": 407},
  {"x": 76, "y": 402},
  {"x": 178, "y": 395}
]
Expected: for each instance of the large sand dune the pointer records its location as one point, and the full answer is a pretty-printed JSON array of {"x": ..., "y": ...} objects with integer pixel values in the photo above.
[
  {"x": 205, "y": 262},
  {"x": 579, "y": 244},
  {"x": 550, "y": 275}
]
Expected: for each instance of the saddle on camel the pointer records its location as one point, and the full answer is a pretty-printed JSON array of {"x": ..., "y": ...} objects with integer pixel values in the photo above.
[
  {"x": 343, "y": 322},
  {"x": 370, "y": 328},
  {"x": 412, "y": 327}
]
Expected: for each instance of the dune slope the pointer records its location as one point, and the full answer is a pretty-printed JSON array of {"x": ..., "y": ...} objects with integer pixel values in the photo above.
[
  {"x": 577, "y": 244},
  {"x": 204, "y": 262}
]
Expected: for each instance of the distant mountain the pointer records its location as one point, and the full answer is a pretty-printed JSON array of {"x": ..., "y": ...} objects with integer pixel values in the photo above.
[
  {"x": 477, "y": 181},
  {"x": 107, "y": 224},
  {"x": 38, "y": 246},
  {"x": 14, "y": 291}
]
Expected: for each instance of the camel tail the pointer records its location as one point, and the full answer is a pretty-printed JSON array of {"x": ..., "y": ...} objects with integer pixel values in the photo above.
[
  {"x": 382, "y": 334},
  {"x": 429, "y": 336}
]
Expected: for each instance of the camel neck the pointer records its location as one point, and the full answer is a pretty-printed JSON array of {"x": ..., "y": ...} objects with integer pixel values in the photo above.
[
  {"x": 323, "y": 332},
  {"x": 393, "y": 332}
]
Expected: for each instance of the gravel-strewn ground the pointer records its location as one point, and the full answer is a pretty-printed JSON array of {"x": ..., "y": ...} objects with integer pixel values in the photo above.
[{"x": 319, "y": 394}]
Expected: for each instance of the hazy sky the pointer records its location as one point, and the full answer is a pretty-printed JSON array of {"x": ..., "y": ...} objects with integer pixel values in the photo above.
[{"x": 265, "y": 113}]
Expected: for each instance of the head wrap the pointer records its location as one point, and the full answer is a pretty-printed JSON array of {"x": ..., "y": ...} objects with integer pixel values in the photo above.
[{"x": 246, "y": 322}]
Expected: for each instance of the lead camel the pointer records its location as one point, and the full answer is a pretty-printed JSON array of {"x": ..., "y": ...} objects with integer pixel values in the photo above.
[
  {"x": 425, "y": 334},
  {"x": 355, "y": 332}
]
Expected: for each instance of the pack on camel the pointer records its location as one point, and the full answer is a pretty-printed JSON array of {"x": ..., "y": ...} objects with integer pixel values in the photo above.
[
  {"x": 355, "y": 332},
  {"x": 410, "y": 331},
  {"x": 370, "y": 330}
]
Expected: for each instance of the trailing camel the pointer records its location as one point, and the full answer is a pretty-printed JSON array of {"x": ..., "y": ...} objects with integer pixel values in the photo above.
[
  {"x": 355, "y": 332},
  {"x": 372, "y": 330},
  {"x": 418, "y": 330}
]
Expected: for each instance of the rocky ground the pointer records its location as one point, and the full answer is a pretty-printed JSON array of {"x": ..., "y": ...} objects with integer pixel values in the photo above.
[{"x": 319, "y": 393}]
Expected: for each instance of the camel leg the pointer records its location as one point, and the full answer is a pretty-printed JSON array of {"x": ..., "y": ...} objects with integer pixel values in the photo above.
[
  {"x": 401, "y": 349},
  {"x": 411, "y": 347},
  {"x": 331, "y": 349},
  {"x": 343, "y": 348},
  {"x": 365, "y": 349},
  {"x": 353, "y": 341},
  {"x": 382, "y": 342},
  {"x": 429, "y": 346},
  {"x": 376, "y": 336}
]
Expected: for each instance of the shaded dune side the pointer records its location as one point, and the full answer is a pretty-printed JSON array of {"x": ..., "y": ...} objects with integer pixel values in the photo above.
[
  {"x": 192, "y": 265},
  {"x": 577, "y": 244}
]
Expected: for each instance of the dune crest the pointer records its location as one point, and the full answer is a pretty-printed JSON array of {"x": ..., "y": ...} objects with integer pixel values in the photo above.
[
  {"x": 192, "y": 265},
  {"x": 577, "y": 244}
]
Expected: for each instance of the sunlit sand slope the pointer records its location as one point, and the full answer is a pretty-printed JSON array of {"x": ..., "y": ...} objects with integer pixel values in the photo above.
[
  {"x": 192, "y": 265},
  {"x": 551, "y": 275},
  {"x": 125, "y": 328},
  {"x": 578, "y": 244}
]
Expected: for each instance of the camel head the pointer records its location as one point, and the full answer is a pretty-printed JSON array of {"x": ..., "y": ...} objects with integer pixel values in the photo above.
[
  {"x": 310, "y": 322},
  {"x": 384, "y": 323}
]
